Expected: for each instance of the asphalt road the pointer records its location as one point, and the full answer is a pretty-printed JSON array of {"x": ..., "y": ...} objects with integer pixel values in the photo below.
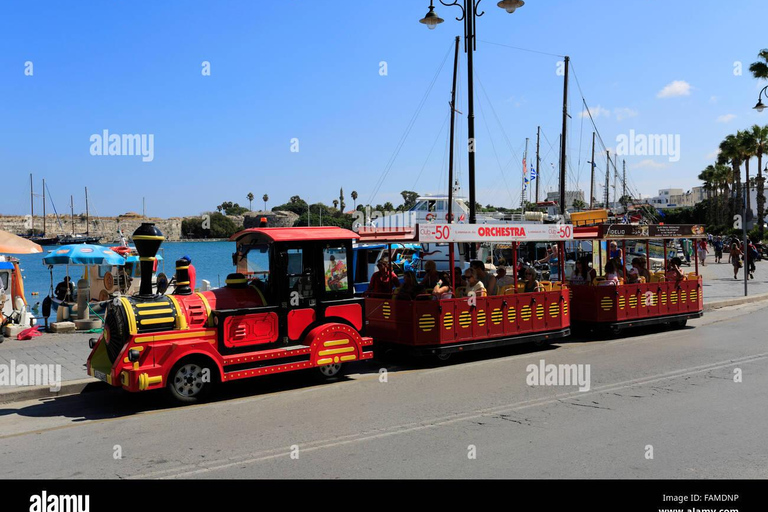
[{"x": 662, "y": 404}]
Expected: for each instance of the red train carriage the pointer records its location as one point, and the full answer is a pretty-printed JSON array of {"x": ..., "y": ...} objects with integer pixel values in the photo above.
[
  {"x": 652, "y": 300},
  {"x": 442, "y": 327},
  {"x": 289, "y": 306}
]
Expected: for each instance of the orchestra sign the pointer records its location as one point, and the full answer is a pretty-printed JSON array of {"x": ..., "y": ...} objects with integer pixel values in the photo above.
[{"x": 436, "y": 233}]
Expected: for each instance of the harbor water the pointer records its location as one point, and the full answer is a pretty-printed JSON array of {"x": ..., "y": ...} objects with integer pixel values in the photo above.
[{"x": 212, "y": 261}]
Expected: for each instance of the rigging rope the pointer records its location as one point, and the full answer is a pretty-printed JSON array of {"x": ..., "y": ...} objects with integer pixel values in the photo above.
[{"x": 409, "y": 127}]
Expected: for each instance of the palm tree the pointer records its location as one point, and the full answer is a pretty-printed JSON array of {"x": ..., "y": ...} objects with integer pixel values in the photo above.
[
  {"x": 354, "y": 198},
  {"x": 250, "y": 200},
  {"x": 760, "y": 69},
  {"x": 335, "y": 203},
  {"x": 707, "y": 176},
  {"x": 730, "y": 152},
  {"x": 265, "y": 198},
  {"x": 722, "y": 176},
  {"x": 747, "y": 144},
  {"x": 760, "y": 133}
]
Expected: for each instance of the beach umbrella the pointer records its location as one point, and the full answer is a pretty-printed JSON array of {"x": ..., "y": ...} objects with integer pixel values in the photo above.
[
  {"x": 83, "y": 254},
  {"x": 13, "y": 244}
]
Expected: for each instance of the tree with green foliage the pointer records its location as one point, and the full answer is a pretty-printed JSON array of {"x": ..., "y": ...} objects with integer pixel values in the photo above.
[
  {"x": 760, "y": 134},
  {"x": 250, "y": 197},
  {"x": 409, "y": 199},
  {"x": 229, "y": 208},
  {"x": 221, "y": 226},
  {"x": 579, "y": 205}
]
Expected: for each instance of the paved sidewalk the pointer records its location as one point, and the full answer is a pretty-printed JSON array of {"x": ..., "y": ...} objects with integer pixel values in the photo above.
[
  {"x": 71, "y": 350},
  {"x": 719, "y": 283},
  {"x": 68, "y": 350}
]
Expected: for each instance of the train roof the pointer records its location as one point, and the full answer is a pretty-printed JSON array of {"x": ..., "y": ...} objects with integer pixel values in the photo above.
[{"x": 298, "y": 234}]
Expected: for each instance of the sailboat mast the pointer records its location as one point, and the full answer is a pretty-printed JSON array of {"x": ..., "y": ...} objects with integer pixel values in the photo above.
[
  {"x": 450, "y": 154},
  {"x": 538, "y": 161},
  {"x": 522, "y": 192},
  {"x": 607, "y": 179},
  {"x": 32, "y": 203},
  {"x": 43, "y": 206},
  {"x": 564, "y": 137},
  {"x": 450, "y": 151},
  {"x": 87, "y": 221},
  {"x": 72, "y": 212},
  {"x": 592, "y": 176}
]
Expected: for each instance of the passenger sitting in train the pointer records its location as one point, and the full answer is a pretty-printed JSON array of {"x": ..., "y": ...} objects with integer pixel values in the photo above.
[
  {"x": 531, "y": 284},
  {"x": 489, "y": 282},
  {"x": 431, "y": 277},
  {"x": 459, "y": 277},
  {"x": 502, "y": 279},
  {"x": 611, "y": 277},
  {"x": 474, "y": 285},
  {"x": 639, "y": 264},
  {"x": 583, "y": 274},
  {"x": 633, "y": 277},
  {"x": 618, "y": 266},
  {"x": 674, "y": 273},
  {"x": 616, "y": 253},
  {"x": 410, "y": 288},
  {"x": 442, "y": 289},
  {"x": 383, "y": 281}
]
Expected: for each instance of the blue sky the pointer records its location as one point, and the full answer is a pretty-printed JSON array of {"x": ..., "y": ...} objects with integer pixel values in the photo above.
[{"x": 311, "y": 70}]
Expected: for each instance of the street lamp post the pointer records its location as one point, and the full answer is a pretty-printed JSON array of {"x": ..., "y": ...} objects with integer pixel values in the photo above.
[
  {"x": 469, "y": 15},
  {"x": 760, "y": 105}
]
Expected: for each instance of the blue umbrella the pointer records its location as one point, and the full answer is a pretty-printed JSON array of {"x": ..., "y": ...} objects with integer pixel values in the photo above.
[{"x": 83, "y": 254}]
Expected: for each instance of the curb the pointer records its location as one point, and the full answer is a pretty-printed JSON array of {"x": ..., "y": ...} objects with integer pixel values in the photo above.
[
  {"x": 78, "y": 386},
  {"x": 31, "y": 392},
  {"x": 711, "y": 306}
]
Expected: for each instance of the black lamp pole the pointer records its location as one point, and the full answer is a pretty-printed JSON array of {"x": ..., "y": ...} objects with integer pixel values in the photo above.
[
  {"x": 469, "y": 15},
  {"x": 760, "y": 105}
]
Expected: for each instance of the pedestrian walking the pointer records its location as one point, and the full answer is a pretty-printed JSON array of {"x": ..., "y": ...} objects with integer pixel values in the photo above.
[
  {"x": 734, "y": 257},
  {"x": 703, "y": 251},
  {"x": 751, "y": 256},
  {"x": 718, "y": 245}
]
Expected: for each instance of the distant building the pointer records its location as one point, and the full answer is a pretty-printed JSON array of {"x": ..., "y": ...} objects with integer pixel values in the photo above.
[
  {"x": 672, "y": 198},
  {"x": 570, "y": 197},
  {"x": 699, "y": 194}
]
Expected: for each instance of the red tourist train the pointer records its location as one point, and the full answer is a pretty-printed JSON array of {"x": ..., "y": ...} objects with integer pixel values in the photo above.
[
  {"x": 290, "y": 305},
  {"x": 651, "y": 299}
]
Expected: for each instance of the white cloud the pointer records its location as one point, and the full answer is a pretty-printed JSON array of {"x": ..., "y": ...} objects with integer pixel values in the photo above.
[
  {"x": 649, "y": 163},
  {"x": 624, "y": 113},
  {"x": 713, "y": 99},
  {"x": 727, "y": 118},
  {"x": 596, "y": 112},
  {"x": 676, "y": 88}
]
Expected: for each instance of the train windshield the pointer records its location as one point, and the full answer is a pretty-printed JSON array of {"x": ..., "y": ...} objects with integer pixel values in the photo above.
[{"x": 252, "y": 260}]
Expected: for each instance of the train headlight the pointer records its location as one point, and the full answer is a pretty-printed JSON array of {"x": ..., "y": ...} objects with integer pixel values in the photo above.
[{"x": 133, "y": 355}]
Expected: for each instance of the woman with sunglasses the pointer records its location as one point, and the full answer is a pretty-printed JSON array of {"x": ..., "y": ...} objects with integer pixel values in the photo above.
[
  {"x": 531, "y": 284},
  {"x": 474, "y": 285}
]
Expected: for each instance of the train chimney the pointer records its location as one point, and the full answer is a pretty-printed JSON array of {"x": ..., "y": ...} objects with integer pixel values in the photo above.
[
  {"x": 147, "y": 239},
  {"x": 182, "y": 277}
]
